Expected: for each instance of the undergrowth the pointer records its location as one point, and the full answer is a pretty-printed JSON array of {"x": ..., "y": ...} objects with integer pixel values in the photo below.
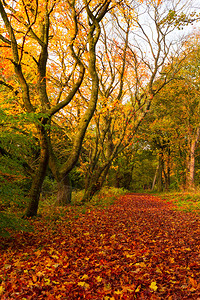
[
  {"x": 101, "y": 200},
  {"x": 184, "y": 201}
]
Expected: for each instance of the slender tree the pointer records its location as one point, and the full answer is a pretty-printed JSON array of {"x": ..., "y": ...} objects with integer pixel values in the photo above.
[{"x": 128, "y": 83}]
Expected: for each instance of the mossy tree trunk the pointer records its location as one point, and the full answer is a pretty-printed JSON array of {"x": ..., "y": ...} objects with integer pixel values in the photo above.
[
  {"x": 34, "y": 195},
  {"x": 92, "y": 38},
  {"x": 64, "y": 193}
]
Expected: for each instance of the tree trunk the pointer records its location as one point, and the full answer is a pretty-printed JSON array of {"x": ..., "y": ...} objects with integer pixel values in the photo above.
[
  {"x": 191, "y": 161},
  {"x": 64, "y": 191},
  {"x": 155, "y": 178},
  {"x": 95, "y": 181},
  {"x": 93, "y": 188},
  {"x": 160, "y": 171},
  {"x": 39, "y": 176},
  {"x": 168, "y": 169},
  {"x": 191, "y": 167}
]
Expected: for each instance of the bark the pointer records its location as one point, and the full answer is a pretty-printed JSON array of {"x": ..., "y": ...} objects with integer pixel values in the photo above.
[
  {"x": 95, "y": 180},
  {"x": 167, "y": 185},
  {"x": 191, "y": 161},
  {"x": 39, "y": 175},
  {"x": 64, "y": 188},
  {"x": 166, "y": 163},
  {"x": 160, "y": 171},
  {"x": 92, "y": 189},
  {"x": 64, "y": 191},
  {"x": 155, "y": 178}
]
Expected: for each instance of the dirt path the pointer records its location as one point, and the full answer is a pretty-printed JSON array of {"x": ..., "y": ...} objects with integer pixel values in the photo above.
[{"x": 139, "y": 248}]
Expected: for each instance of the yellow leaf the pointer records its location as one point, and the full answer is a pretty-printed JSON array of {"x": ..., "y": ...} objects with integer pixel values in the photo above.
[
  {"x": 55, "y": 256},
  {"x": 129, "y": 255},
  {"x": 138, "y": 288},
  {"x": 130, "y": 290},
  {"x": 118, "y": 292},
  {"x": 83, "y": 284},
  {"x": 99, "y": 279},
  {"x": 141, "y": 264},
  {"x": 153, "y": 286},
  {"x": 171, "y": 260},
  {"x": 47, "y": 281},
  {"x": 85, "y": 276},
  {"x": 30, "y": 283},
  {"x": 34, "y": 278},
  {"x": 1, "y": 289},
  {"x": 68, "y": 282}
]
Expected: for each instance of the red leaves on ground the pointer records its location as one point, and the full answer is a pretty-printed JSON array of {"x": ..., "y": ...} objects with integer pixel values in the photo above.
[{"x": 139, "y": 248}]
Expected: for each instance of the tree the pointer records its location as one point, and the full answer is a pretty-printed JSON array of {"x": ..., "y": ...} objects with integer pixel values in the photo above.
[
  {"x": 50, "y": 48},
  {"x": 173, "y": 126},
  {"x": 128, "y": 86},
  {"x": 95, "y": 14},
  {"x": 28, "y": 34}
]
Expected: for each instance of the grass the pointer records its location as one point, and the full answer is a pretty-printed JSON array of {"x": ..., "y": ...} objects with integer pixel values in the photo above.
[
  {"x": 184, "y": 201},
  {"x": 10, "y": 216},
  {"x": 101, "y": 200}
]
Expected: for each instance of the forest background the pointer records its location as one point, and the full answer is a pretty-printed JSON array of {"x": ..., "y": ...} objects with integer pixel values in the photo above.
[{"x": 96, "y": 94}]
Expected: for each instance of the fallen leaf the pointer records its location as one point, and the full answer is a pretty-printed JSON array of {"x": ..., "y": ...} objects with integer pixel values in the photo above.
[
  {"x": 1, "y": 289},
  {"x": 99, "y": 279},
  {"x": 153, "y": 286},
  {"x": 138, "y": 288},
  {"x": 84, "y": 277},
  {"x": 83, "y": 284}
]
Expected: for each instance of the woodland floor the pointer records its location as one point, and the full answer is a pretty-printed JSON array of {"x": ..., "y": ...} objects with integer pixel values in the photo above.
[{"x": 138, "y": 248}]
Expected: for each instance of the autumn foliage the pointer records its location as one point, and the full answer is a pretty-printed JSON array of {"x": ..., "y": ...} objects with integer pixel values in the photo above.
[
  {"x": 98, "y": 94},
  {"x": 138, "y": 248}
]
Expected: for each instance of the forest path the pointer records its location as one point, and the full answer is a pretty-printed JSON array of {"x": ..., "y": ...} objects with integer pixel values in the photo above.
[{"x": 138, "y": 248}]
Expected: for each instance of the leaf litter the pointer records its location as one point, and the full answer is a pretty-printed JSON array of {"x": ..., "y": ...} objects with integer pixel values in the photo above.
[{"x": 138, "y": 248}]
